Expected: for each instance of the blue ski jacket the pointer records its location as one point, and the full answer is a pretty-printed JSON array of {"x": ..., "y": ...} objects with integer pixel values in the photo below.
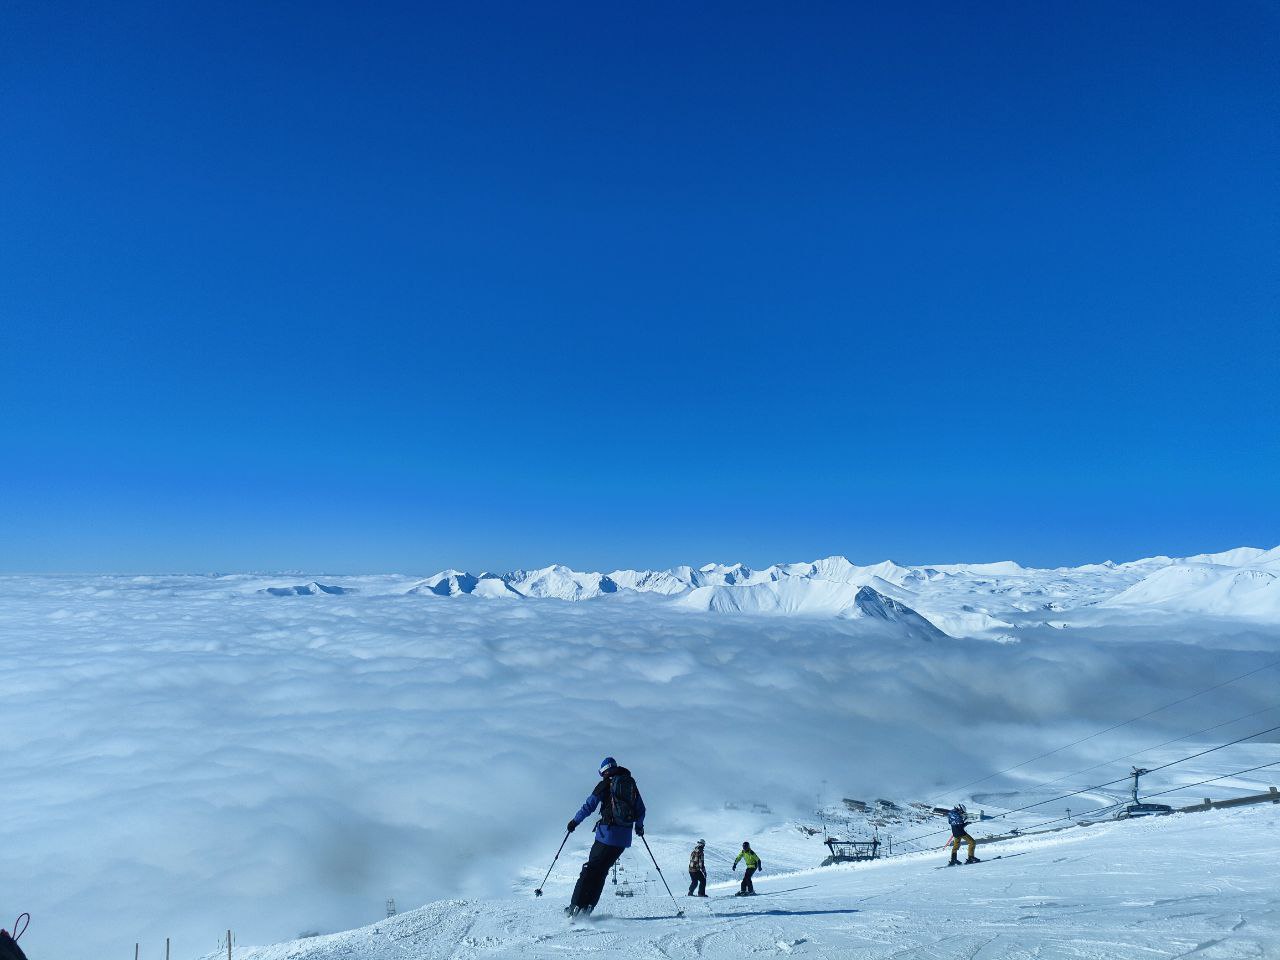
[
  {"x": 613, "y": 834},
  {"x": 956, "y": 819}
]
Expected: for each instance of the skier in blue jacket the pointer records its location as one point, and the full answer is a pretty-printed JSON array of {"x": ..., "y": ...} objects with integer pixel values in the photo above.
[{"x": 621, "y": 808}]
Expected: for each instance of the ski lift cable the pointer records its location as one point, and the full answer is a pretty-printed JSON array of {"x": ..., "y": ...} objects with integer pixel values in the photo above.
[
  {"x": 1116, "y": 726},
  {"x": 1111, "y": 783},
  {"x": 1161, "y": 793},
  {"x": 1127, "y": 756},
  {"x": 1162, "y": 766}
]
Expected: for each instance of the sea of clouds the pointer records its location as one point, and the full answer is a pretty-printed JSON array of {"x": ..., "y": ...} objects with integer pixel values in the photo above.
[{"x": 186, "y": 754}]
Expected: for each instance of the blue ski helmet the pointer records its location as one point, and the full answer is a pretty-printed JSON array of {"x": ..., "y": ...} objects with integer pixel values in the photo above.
[{"x": 607, "y": 764}]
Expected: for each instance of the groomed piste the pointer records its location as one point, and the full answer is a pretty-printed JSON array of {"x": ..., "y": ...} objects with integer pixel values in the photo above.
[{"x": 1189, "y": 885}]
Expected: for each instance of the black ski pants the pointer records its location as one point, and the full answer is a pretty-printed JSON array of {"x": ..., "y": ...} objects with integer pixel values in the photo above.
[
  {"x": 594, "y": 873},
  {"x": 698, "y": 878},
  {"x": 747, "y": 885}
]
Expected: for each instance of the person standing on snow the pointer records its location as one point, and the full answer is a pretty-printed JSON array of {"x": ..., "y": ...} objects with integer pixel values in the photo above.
[
  {"x": 621, "y": 808},
  {"x": 957, "y": 817},
  {"x": 753, "y": 863},
  {"x": 698, "y": 870}
]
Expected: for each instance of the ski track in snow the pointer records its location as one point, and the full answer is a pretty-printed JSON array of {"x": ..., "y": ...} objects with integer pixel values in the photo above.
[{"x": 1194, "y": 885}]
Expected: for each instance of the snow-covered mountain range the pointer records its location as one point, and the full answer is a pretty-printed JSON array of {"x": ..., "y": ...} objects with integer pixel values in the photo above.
[{"x": 957, "y": 599}]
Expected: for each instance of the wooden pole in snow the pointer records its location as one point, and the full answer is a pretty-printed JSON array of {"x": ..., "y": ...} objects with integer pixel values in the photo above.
[{"x": 228, "y": 945}]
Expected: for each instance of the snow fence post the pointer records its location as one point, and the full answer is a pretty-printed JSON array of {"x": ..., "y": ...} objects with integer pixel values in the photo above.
[{"x": 228, "y": 945}]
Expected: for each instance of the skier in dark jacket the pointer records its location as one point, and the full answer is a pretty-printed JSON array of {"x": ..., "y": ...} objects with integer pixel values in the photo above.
[
  {"x": 621, "y": 808},
  {"x": 698, "y": 870},
  {"x": 957, "y": 817},
  {"x": 753, "y": 863}
]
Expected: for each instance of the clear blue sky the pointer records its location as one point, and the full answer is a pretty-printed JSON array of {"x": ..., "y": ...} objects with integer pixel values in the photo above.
[{"x": 391, "y": 287}]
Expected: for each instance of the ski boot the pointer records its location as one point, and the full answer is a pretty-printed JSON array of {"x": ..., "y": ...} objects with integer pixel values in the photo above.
[
  {"x": 973, "y": 860},
  {"x": 954, "y": 862}
]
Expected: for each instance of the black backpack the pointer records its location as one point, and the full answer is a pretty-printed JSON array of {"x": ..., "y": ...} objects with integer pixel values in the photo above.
[{"x": 622, "y": 800}]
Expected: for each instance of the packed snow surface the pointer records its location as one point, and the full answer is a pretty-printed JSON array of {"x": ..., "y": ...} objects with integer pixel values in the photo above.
[{"x": 1191, "y": 885}]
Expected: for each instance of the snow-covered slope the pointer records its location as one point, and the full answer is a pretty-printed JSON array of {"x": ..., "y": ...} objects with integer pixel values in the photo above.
[
  {"x": 797, "y": 595},
  {"x": 1194, "y": 885},
  {"x": 560, "y": 583},
  {"x": 1239, "y": 557},
  {"x": 665, "y": 582},
  {"x": 1223, "y": 590},
  {"x": 455, "y": 583},
  {"x": 447, "y": 583}
]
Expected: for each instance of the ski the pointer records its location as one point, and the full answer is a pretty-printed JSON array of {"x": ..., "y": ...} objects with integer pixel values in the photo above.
[{"x": 1002, "y": 856}]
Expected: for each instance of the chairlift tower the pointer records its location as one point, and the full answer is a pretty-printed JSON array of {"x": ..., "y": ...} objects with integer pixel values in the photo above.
[
  {"x": 391, "y": 907},
  {"x": 1136, "y": 773}
]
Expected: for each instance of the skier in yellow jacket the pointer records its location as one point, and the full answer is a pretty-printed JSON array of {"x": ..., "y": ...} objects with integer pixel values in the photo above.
[{"x": 753, "y": 863}]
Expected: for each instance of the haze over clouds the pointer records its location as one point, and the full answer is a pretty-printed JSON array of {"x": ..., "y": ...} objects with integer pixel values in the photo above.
[{"x": 187, "y": 753}]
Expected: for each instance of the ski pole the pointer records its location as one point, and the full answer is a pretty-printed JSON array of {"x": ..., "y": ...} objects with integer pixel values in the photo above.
[
  {"x": 538, "y": 892},
  {"x": 679, "y": 912}
]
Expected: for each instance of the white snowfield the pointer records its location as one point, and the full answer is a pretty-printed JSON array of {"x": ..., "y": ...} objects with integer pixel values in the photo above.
[
  {"x": 1190, "y": 885},
  {"x": 959, "y": 600}
]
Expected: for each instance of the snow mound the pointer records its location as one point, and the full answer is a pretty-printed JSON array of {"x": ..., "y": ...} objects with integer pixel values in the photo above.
[
  {"x": 965, "y": 623},
  {"x": 815, "y": 598},
  {"x": 1000, "y": 568},
  {"x": 1269, "y": 559},
  {"x": 312, "y": 589},
  {"x": 1239, "y": 557},
  {"x": 493, "y": 587},
  {"x": 1206, "y": 588}
]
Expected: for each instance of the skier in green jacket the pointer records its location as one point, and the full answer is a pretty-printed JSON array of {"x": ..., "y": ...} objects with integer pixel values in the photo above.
[{"x": 753, "y": 863}]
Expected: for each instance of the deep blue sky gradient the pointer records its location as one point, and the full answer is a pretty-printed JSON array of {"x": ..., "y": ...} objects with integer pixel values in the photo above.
[{"x": 381, "y": 286}]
